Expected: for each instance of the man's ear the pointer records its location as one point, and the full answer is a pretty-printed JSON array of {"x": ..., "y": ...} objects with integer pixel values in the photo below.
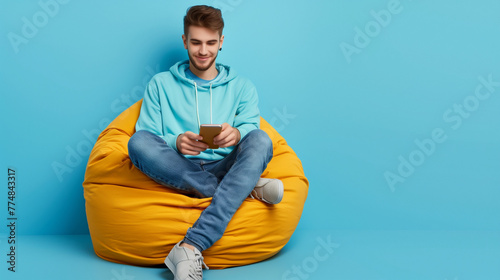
[
  {"x": 184, "y": 40},
  {"x": 221, "y": 41}
]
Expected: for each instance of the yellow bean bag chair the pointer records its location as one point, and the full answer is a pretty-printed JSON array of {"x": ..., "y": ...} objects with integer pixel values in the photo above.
[{"x": 134, "y": 220}]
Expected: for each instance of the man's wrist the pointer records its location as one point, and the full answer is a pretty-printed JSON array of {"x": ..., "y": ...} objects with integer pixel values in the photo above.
[
  {"x": 238, "y": 135},
  {"x": 177, "y": 142}
]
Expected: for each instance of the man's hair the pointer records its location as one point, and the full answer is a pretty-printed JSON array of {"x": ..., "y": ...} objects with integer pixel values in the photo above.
[{"x": 204, "y": 16}]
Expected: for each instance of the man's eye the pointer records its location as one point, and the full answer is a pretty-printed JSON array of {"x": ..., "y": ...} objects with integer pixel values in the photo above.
[{"x": 195, "y": 43}]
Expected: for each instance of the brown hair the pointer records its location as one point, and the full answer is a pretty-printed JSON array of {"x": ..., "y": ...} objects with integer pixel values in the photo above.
[{"x": 204, "y": 16}]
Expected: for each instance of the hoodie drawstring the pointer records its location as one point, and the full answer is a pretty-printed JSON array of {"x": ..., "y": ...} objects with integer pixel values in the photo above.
[
  {"x": 211, "y": 103},
  {"x": 197, "y": 110}
]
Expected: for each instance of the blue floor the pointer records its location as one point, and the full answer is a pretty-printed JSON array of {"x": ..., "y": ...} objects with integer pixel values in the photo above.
[{"x": 428, "y": 255}]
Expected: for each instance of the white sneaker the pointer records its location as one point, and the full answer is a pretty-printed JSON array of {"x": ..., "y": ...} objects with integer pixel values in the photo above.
[
  {"x": 185, "y": 263},
  {"x": 268, "y": 190}
]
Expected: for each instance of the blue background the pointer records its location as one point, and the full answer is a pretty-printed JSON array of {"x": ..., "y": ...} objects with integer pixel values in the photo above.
[{"x": 350, "y": 116}]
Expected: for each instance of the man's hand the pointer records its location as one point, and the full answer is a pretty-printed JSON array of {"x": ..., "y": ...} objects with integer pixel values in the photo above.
[
  {"x": 188, "y": 143},
  {"x": 229, "y": 136}
]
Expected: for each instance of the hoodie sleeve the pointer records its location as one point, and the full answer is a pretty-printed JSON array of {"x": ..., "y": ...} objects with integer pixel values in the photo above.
[
  {"x": 247, "y": 114},
  {"x": 150, "y": 118}
]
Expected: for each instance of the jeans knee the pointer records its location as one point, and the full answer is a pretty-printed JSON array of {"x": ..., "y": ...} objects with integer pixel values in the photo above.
[
  {"x": 134, "y": 142},
  {"x": 137, "y": 144},
  {"x": 261, "y": 139}
]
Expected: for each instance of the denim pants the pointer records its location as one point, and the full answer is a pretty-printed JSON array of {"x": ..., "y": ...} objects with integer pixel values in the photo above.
[{"x": 228, "y": 181}]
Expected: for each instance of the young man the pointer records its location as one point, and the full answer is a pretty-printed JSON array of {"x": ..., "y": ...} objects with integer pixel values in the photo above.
[{"x": 167, "y": 147}]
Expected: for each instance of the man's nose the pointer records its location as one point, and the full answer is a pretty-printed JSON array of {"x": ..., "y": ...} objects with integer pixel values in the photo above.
[{"x": 203, "y": 49}]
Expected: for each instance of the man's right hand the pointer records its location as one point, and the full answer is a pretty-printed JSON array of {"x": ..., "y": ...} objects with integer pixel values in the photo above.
[{"x": 188, "y": 143}]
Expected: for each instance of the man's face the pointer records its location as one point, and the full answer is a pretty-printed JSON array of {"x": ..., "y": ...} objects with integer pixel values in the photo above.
[{"x": 203, "y": 46}]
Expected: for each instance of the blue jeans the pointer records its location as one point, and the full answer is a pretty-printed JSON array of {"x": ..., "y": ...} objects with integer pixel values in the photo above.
[{"x": 228, "y": 181}]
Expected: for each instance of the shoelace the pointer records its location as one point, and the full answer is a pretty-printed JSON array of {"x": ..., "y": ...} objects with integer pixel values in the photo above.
[
  {"x": 255, "y": 195},
  {"x": 196, "y": 273}
]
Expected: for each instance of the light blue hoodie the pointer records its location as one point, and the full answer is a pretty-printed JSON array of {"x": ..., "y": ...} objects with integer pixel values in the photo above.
[{"x": 174, "y": 104}]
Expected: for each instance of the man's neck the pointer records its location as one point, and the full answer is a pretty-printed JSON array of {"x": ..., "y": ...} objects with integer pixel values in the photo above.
[{"x": 208, "y": 74}]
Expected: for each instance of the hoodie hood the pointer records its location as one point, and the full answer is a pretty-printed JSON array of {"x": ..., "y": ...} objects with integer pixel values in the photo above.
[{"x": 225, "y": 75}]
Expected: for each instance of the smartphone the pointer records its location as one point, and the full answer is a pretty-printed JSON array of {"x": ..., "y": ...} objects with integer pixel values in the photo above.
[{"x": 208, "y": 132}]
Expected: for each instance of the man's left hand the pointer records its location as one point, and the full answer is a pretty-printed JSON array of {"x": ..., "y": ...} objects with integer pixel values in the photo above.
[{"x": 229, "y": 136}]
